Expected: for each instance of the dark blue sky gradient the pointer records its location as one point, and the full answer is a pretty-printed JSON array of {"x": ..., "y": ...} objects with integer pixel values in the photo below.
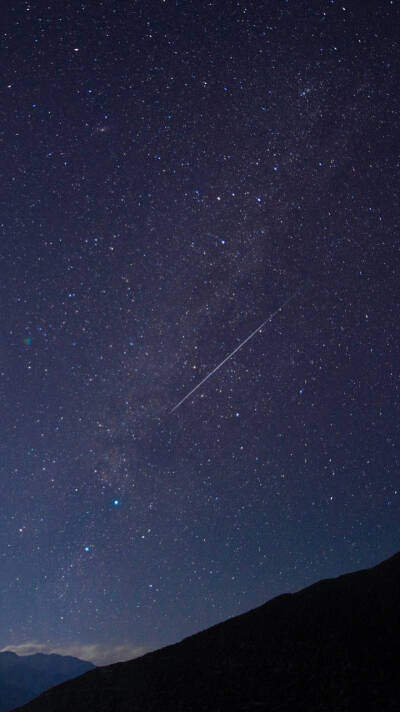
[{"x": 171, "y": 173}]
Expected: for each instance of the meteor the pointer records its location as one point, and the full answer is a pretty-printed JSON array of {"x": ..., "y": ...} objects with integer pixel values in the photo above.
[{"x": 250, "y": 336}]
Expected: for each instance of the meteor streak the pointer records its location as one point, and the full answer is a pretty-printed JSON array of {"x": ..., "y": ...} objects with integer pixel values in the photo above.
[{"x": 253, "y": 333}]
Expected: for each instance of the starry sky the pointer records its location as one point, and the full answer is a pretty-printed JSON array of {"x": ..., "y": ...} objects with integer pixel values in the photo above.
[{"x": 174, "y": 173}]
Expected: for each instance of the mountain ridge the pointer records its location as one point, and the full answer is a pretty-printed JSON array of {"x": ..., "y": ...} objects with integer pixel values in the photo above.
[
  {"x": 23, "y": 677},
  {"x": 326, "y": 647}
]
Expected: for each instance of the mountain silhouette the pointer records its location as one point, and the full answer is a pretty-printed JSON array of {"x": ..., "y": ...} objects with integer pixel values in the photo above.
[
  {"x": 330, "y": 647},
  {"x": 25, "y": 677}
]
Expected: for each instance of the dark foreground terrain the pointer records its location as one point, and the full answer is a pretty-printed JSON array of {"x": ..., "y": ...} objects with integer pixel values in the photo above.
[
  {"x": 331, "y": 647},
  {"x": 24, "y": 677}
]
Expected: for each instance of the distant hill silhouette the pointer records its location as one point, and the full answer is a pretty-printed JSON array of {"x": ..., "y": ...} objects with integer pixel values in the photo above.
[
  {"x": 25, "y": 677},
  {"x": 331, "y": 647}
]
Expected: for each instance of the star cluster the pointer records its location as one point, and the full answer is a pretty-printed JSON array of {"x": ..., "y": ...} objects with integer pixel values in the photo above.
[{"x": 172, "y": 173}]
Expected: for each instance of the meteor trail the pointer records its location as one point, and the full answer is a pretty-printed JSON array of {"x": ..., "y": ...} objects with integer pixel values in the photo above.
[{"x": 253, "y": 333}]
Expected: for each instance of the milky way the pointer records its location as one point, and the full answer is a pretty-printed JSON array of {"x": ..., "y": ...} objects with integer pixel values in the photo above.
[{"x": 172, "y": 172}]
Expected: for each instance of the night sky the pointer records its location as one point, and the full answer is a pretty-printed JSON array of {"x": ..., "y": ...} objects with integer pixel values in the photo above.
[{"x": 174, "y": 173}]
